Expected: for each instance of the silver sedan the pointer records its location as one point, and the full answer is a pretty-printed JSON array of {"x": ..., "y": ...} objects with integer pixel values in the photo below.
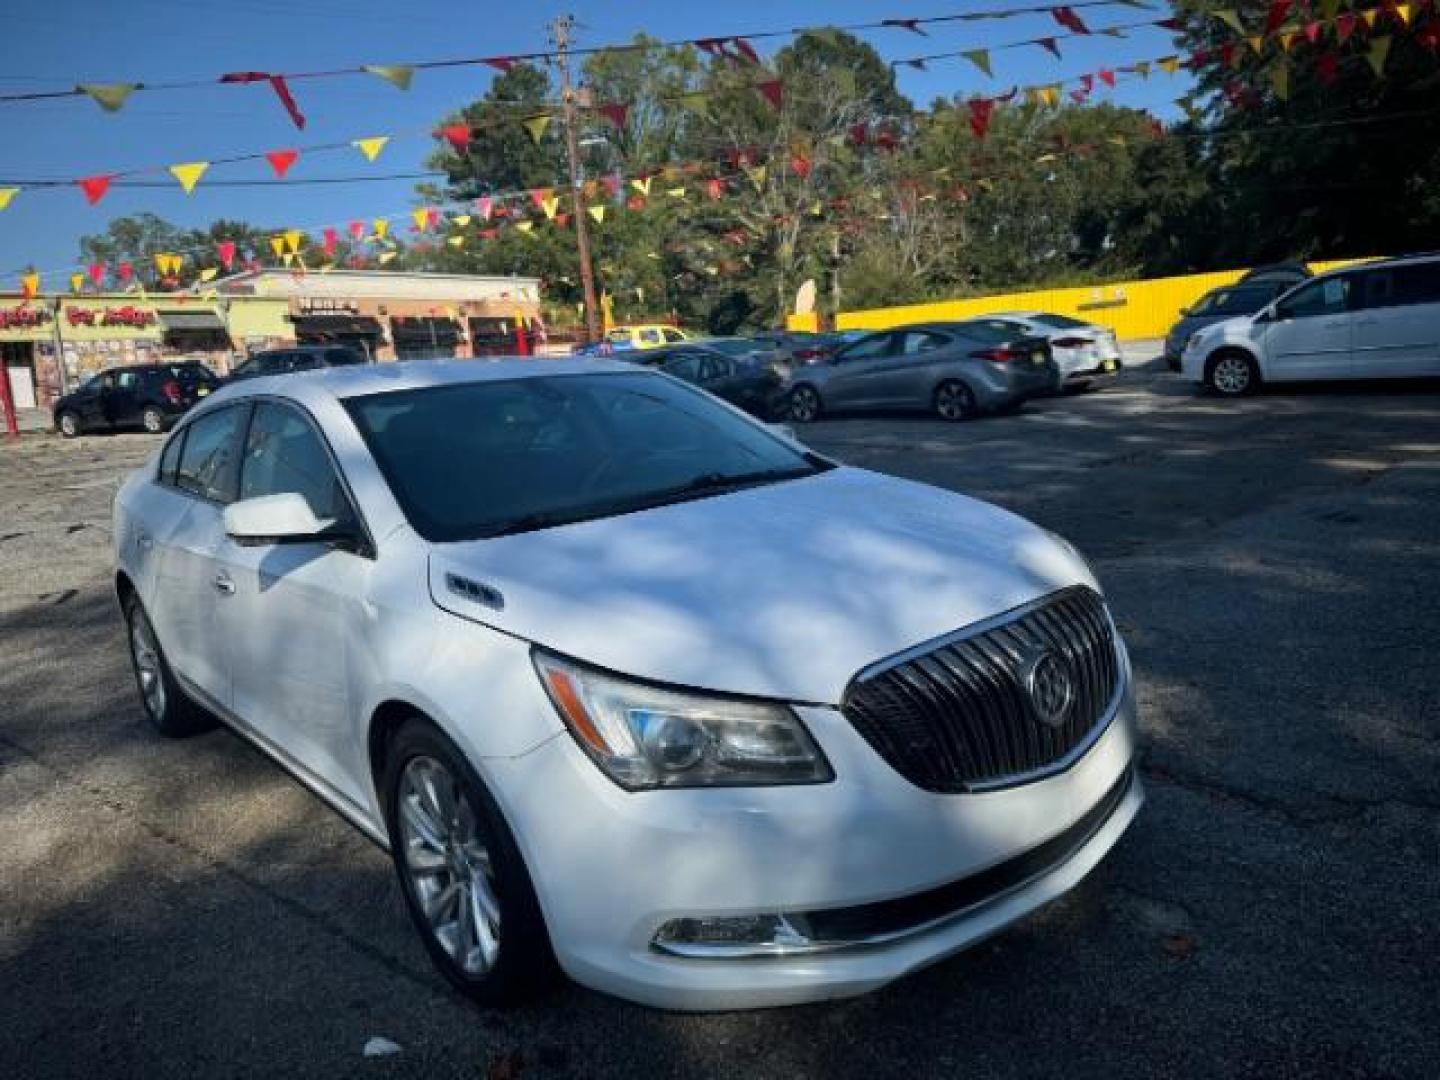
[{"x": 955, "y": 369}]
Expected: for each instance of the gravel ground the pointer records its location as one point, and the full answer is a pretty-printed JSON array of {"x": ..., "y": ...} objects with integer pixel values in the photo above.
[{"x": 183, "y": 908}]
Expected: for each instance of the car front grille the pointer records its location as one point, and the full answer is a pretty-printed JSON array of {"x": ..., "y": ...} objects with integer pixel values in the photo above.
[{"x": 1001, "y": 703}]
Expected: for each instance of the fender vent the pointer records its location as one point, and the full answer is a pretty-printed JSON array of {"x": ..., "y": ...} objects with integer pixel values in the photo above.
[{"x": 477, "y": 591}]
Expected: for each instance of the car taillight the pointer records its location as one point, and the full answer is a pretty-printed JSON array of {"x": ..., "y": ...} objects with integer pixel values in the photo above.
[
  {"x": 171, "y": 390},
  {"x": 1071, "y": 342},
  {"x": 995, "y": 356},
  {"x": 807, "y": 354}
]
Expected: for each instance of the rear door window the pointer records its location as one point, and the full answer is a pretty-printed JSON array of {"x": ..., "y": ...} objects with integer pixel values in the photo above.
[
  {"x": 1398, "y": 286},
  {"x": 867, "y": 348},
  {"x": 917, "y": 341},
  {"x": 210, "y": 456},
  {"x": 673, "y": 335}
]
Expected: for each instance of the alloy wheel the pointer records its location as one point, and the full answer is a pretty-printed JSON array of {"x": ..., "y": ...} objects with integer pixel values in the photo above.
[
  {"x": 448, "y": 865},
  {"x": 1231, "y": 375},
  {"x": 804, "y": 404},
  {"x": 69, "y": 426},
  {"x": 153, "y": 421},
  {"x": 146, "y": 651},
  {"x": 954, "y": 401}
]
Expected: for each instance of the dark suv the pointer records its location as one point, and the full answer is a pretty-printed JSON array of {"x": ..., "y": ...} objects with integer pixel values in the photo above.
[
  {"x": 151, "y": 396},
  {"x": 296, "y": 358}
]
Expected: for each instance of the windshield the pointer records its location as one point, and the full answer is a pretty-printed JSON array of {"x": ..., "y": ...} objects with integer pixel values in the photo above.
[
  {"x": 1058, "y": 322},
  {"x": 489, "y": 458},
  {"x": 1232, "y": 302}
]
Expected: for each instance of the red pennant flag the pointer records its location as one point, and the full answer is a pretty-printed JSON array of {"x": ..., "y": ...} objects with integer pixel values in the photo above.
[
  {"x": 95, "y": 188},
  {"x": 457, "y": 135},
  {"x": 745, "y": 49},
  {"x": 357, "y": 229},
  {"x": 1106, "y": 76},
  {"x": 1079, "y": 96},
  {"x": 500, "y": 63},
  {"x": 1344, "y": 27},
  {"x": 1227, "y": 52},
  {"x": 774, "y": 91},
  {"x": 1157, "y": 129},
  {"x": 562, "y": 220},
  {"x": 1429, "y": 35},
  {"x": 980, "y": 112},
  {"x": 1279, "y": 12},
  {"x": 1327, "y": 66},
  {"x": 635, "y": 202},
  {"x": 96, "y": 270},
  {"x": 488, "y": 234},
  {"x": 912, "y": 25},
  {"x": 1087, "y": 83},
  {"x": 539, "y": 195},
  {"x": 226, "y": 250},
  {"x": 124, "y": 271},
  {"x": 858, "y": 134},
  {"x": 281, "y": 160},
  {"x": 1198, "y": 59},
  {"x": 1049, "y": 45},
  {"x": 714, "y": 46},
  {"x": 715, "y": 188},
  {"x": 277, "y": 83},
  {"x": 331, "y": 239},
  {"x": 800, "y": 166},
  {"x": 615, "y": 112},
  {"x": 1067, "y": 18},
  {"x": 885, "y": 139},
  {"x": 432, "y": 219},
  {"x": 1312, "y": 31}
]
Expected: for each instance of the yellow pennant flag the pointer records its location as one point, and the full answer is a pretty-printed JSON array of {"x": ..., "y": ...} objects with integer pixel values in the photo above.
[
  {"x": 1280, "y": 80},
  {"x": 642, "y": 186},
  {"x": 277, "y": 245},
  {"x": 30, "y": 284},
  {"x": 1378, "y": 51},
  {"x": 292, "y": 240},
  {"x": 525, "y": 226},
  {"x": 981, "y": 59},
  {"x": 1168, "y": 64},
  {"x": 461, "y": 219},
  {"x": 1230, "y": 19},
  {"x": 1289, "y": 38},
  {"x": 208, "y": 274},
  {"x": 385, "y": 257},
  {"x": 6, "y": 195},
  {"x": 382, "y": 226},
  {"x": 109, "y": 96},
  {"x": 162, "y": 264},
  {"x": 757, "y": 174},
  {"x": 536, "y": 126},
  {"x": 1402, "y": 12},
  {"x": 1116, "y": 140},
  {"x": 371, "y": 147},
  {"x": 676, "y": 193},
  {"x": 189, "y": 174},
  {"x": 1370, "y": 16},
  {"x": 1044, "y": 159},
  {"x": 456, "y": 241},
  {"x": 77, "y": 281},
  {"x": 596, "y": 212},
  {"x": 421, "y": 217},
  {"x": 1257, "y": 43},
  {"x": 397, "y": 75},
  {"x": 550, "y": 206}
]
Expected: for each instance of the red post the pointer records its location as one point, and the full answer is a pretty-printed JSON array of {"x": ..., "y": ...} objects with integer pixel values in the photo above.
[
  {"x": 522, "y": 341},
  {"x": 7, "y": 403}
]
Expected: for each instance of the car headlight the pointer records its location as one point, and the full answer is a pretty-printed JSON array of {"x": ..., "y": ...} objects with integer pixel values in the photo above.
[{"x": 645, "y": 737}]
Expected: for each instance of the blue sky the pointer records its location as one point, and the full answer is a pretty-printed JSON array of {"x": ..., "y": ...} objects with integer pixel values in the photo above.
[{"x": 51, "y": 45}]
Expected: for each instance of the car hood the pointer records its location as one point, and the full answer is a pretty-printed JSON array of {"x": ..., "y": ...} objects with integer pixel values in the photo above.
[{"x": 783, "y": 591}]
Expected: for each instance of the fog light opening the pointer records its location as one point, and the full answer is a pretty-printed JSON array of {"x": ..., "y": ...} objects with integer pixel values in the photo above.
[{"x": 735, "y": 936}]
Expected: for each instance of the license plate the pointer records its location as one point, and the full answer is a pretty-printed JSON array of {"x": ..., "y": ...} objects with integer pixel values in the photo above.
[
  {"x": 202, "y": 391},
  {"x": 1037, "y": 357},
  {"x": 1108, "y": 365}
]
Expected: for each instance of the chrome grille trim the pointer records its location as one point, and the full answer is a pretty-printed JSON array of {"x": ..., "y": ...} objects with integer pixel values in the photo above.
[{"x": 951, "y": 715}]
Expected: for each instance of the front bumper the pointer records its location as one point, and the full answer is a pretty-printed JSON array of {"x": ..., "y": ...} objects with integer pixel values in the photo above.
[{"x": 901, "y": 870}]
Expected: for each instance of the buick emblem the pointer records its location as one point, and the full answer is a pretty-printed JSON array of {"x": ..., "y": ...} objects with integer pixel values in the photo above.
[{"x": 1049, "y": 686}]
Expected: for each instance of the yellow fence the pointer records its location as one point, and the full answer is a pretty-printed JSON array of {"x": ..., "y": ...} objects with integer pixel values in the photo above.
[{"x": 1135, "y": 310}]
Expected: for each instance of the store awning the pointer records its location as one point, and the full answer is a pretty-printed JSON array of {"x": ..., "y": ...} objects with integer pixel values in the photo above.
[
  {"x": 333, "y": 327},
  {"x": 191, "y": 320},
  {"x": 423, "y": 331}
]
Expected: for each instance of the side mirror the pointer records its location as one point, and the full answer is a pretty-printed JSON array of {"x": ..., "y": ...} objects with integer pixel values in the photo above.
[
  {"x": 1185, "y": 312},
  {"x": 276, "y": 519}
]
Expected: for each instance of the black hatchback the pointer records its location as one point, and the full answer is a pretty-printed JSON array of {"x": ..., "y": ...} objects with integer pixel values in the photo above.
[{"x": 148, "y": 396}]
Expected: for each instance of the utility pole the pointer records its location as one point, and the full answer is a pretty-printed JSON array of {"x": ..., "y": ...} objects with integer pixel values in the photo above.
[{"x": 560, "y": 32}]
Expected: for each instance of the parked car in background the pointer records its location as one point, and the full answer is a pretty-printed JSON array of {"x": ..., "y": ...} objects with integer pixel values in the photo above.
[
  {"x": 955, "y": 369},
  {"x": 148, "y": 396},
  {"x": 625, "y": 680},
  {"x": 1379, "y": 320},
  {"x": 750, "y": 381},
  {"x": 1286, "y": 275},
  {"x": 744, "y": 348},
  {"x": 1217, "y": 305},
  {"x": 297, "y": 358},
  {"x": 645, "y": 336},
  {"x": 1083, "y": 351}
]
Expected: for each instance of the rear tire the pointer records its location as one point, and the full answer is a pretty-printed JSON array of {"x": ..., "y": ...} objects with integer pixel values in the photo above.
[
  {"x": 954, "y": 401},
  {"x": 68, "y": 424},
  {"x": 1232, "y": 373},
  {"x": 168, "y": 709},
  {"x": 152, "y": 420},
  {"x": 804, "y": 404},
  {"x": 465, "y": 882}
]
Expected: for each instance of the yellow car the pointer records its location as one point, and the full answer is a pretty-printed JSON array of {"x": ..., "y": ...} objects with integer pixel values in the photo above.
[{"x": 645, "y": 336}]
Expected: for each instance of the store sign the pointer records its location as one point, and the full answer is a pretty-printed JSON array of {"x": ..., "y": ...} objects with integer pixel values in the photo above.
[
  {"x": 138, "y": 318},
  {"x": 23, "y": 317},
  {"x": 324, "y": 305}
]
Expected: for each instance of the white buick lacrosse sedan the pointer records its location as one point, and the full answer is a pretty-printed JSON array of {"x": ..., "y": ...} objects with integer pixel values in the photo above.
[{"x": 628, "y": 681}]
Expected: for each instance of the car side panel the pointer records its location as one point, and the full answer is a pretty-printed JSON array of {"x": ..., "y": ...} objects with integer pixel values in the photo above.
[
  {"x": 187, "y": 535},
  {"x": 1397, "y": 342}
]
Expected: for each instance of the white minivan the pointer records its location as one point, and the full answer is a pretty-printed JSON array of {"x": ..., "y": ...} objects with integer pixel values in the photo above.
[{"x": 1378, "y": 320}]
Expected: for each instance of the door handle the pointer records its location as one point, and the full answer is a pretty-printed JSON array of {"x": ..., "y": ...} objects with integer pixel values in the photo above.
[
  {"x": 1334, "y": 325},
  {"x": 223, "y": 585}
]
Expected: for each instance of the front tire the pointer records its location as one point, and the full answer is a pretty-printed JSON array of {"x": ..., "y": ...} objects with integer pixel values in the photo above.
[
  {"x": 169, "y": 711},
  {"x": 465, "y": 883},
  {"x": 954, "y": 401},
  {"x": 152, "y": 420},
  {"x": 1232, "y": 374},
  {"x": 804, "y": 404},
  {"x": 68, "y": 425}
]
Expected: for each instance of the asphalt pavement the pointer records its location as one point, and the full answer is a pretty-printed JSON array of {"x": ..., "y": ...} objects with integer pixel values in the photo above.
[{"x": 183, "y": 908}]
